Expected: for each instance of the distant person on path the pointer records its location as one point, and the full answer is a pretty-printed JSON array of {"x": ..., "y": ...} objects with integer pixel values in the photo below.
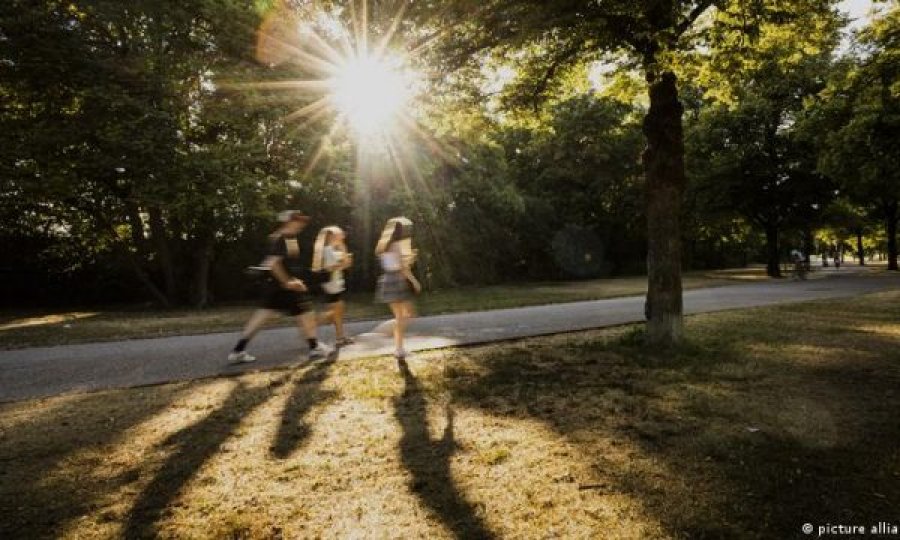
[
  {"x": 397, "y": 282},
  {"x": 330, "y": 255},
  {"x": 284, "y": 290},
  {"x": 837, "y": 260}
]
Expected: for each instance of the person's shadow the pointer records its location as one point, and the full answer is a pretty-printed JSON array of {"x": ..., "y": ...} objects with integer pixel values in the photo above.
[
  {"x": 307, "y": 391},
  {"x": 191, "y": 448},
  {"x": 429, "y": 462}
]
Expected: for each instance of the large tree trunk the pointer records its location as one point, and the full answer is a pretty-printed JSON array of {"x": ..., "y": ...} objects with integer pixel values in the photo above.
[
  {"x": 145, "y": 280},
  {"x": 860, "y": 254},
  {"x": 808, "y": 245},
  {"x": 204, "y": 255},
  {"x": 773, "y": 266},
  {"x": 663, "y": 161},
  {"x": 161, "y": 239},
  {"x": 891, "y": 226},
  {"x": 131, "y": 257}
]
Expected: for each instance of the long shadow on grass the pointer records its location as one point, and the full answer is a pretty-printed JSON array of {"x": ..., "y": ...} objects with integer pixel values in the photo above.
[
  {"x": 40, "y": 493},
  {"x": 728, "y": 444},
  {"x": 429, "y": 462},
  {"x": 191, "y": 448},
  {"x": 293, "y": 429}
]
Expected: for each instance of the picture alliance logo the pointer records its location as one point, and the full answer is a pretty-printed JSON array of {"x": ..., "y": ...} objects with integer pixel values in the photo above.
[{"x": 882, "y": 528}]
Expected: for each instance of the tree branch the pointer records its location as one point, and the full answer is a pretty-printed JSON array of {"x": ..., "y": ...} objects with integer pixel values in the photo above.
[
  {"x": 557, "y": 62},
  {"x": 695, "y": 13}
]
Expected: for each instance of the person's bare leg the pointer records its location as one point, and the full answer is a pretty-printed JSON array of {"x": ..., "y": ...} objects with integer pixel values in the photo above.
[
  {"x": 337, "y": 316},
  {"x": 399, "y": 311},
  {"x": 306, "y": 323},
  {"x": 259, "y": 318},
  {"x": 326, "y": 317},
  {"x": 253, "y": 326}
]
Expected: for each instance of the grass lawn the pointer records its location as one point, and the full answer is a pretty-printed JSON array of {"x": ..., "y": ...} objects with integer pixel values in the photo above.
[
  {"x": 765, "y": 420},
  {"x": 26, "y": 329}
]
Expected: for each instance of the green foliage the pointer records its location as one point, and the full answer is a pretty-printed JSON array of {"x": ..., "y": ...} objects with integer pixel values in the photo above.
[
  {"x": 857, "y": 125},
  {"x": 134, "y": 159},
  {"x": 748, "y": 152},
  {"x": 130, "y": 146}
]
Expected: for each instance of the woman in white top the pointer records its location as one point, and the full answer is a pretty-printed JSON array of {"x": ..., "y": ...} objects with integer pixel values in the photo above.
[
  {"x": 330, "y": 255},
  {"x": 397, "y": 282}
]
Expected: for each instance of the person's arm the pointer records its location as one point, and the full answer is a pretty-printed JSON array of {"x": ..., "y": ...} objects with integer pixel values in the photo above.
[
  {"x": 407, "y": 273},
  {"x": 276, "y": 266}
]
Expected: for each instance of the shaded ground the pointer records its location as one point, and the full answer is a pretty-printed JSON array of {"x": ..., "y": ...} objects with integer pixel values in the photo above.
[
  {"x": 39, "y": 328},
  {"x": 768, "y": 419}
]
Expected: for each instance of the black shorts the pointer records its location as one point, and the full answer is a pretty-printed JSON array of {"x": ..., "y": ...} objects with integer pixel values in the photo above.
[
  {"x": 290, "y": 302},
  {"x": 334, "y": 298}
]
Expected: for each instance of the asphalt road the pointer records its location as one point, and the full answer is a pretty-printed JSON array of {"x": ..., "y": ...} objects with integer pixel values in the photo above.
[{"x": 48, "y": 371}]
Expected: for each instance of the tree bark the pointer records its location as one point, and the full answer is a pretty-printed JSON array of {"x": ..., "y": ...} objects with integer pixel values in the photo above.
[
  {"x": 773, "y": 266},
  {"x": 145, "y": 280},
  {"x": 891, "y": 227},
  {"x": 203, "y": 263},
  {"x": 859, "y": 248},
  {"x": 663, "y": 161},
  {"x": 136, "y": 225},
  {"x": 160, "y": 238},
  {"x": 131, "y": 258},
  {"x": 808, "y": 243}
]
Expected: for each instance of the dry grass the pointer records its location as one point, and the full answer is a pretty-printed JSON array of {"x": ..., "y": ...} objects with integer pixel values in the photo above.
[
  {"x": 41, "y": 328},
  {"x": 765, "y": 420}
]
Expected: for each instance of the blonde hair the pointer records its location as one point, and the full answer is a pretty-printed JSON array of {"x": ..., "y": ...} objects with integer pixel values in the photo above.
[
  {"x": 318, "y": 260},
  {"x": 388, "y": 233}
]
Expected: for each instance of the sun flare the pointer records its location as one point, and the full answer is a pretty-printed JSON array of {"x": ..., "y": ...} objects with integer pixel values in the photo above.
[
  {"x": 370, "y": 93},
  {"x": 367, "y": 83}
]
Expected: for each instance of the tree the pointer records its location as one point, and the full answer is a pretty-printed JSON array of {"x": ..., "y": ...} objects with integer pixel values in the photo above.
[
  {"x": 844, "y": 219},
  {"x": 749, "y": 153},
  {"x": 555, "y": 38},
  {"x": 750, "y": 160},
  {"x": 117, "y": 128},
  {"x": 578, "y": 170},
  {"x": 858, "y": 121},
  {"x": 548, "y": 40}
]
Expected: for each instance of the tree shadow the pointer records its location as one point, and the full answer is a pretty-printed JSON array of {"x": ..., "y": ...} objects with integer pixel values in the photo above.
[
  {"x": 293, "y": 430},
  {"x": 39, "y": 492},
  {"x": 725, "y": 444},
  {"x": 191, "y": 448},
  {"x": 429, "y": 461}
]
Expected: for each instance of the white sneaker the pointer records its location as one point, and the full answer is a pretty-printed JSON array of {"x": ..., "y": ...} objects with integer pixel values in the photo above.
[
  {"x": 321, "y": 351},
  {"x": 241, "y": 358},
  {"x": 400, "y": 354}
]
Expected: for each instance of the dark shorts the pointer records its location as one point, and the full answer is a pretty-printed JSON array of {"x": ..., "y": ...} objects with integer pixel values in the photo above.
[
  {"x": 290, "y": 302},
  {"x": 334, "y": 298}
]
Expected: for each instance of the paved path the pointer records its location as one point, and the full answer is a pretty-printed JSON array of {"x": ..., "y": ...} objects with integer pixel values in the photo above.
[{"x": 47, "y": 371}]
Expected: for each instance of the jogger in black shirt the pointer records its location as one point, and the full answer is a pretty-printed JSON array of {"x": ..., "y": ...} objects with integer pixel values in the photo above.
[{"x": 284, "y": 290}]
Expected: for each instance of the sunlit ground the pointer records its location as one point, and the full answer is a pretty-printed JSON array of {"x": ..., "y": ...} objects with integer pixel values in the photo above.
[
  {"x": 50, "y": 319},
  {"x": 765, "y": 420}
]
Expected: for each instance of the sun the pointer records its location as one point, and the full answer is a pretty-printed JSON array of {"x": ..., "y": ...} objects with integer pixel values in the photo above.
[
  {"x": 369, "y": 84},
  {"x": 371, "y": 93}
]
